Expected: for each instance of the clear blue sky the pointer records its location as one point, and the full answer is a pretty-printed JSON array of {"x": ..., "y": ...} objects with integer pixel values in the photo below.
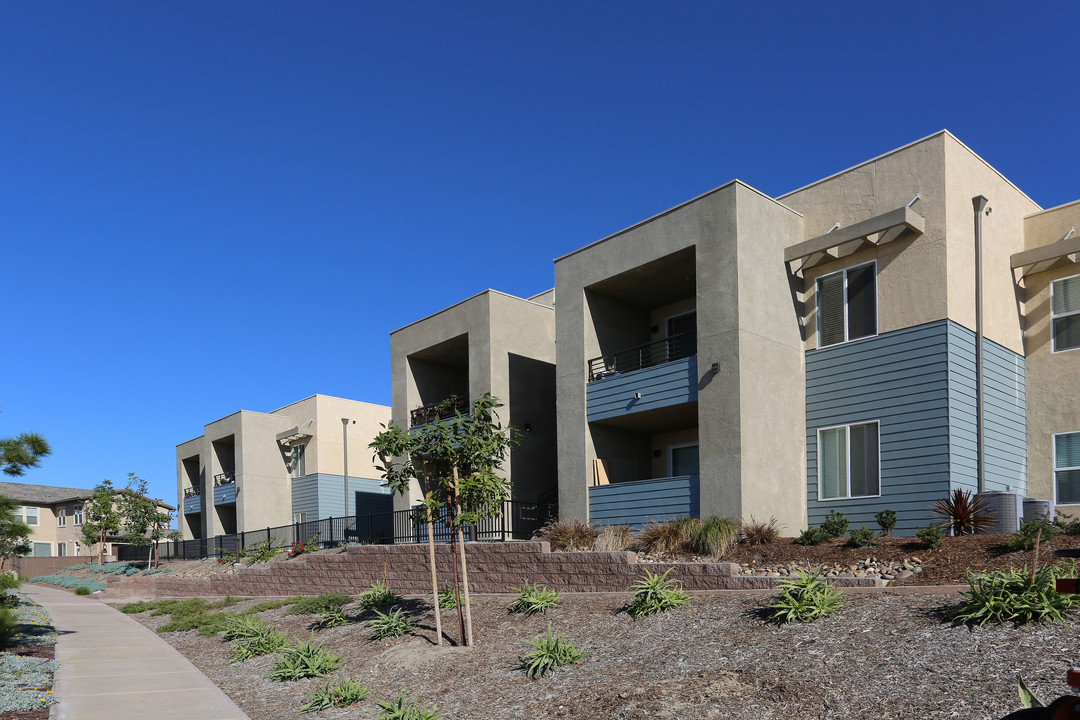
[{"x": 207, "y": 207}]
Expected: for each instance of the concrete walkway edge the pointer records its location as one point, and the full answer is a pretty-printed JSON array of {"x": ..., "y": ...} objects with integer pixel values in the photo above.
[{"x": 112, "y": 667}]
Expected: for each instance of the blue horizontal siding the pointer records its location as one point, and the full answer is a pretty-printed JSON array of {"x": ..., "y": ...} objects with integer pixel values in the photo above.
[
  {"x": 639, "y": 502},
  {"x": 192, "y": 505},
  {"x": 901, "y": 380},
  {"x": 321, "y": 496},
  {"x": 660, "y": 386},
  {"x": 305, "y": 496},
  {"x": 225, "y": 494}
]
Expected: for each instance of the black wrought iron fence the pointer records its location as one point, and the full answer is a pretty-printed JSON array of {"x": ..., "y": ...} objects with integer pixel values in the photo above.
[
  {"x": 518, "y": 521},
  {"x": 671, "y": 348}
]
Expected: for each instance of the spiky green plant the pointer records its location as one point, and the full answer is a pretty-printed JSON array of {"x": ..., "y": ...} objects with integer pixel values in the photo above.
[
  {"x": 378, "y": 595},
  {"x": 549, "y": 652},
  {"x": 393, "y": 624},
  {"x": 656, "y": 594},
  {"x": 304, "y": 660},
  {"x": 270, "y": 641},
  {"x": 320, "y": 603},
  {"x": 805, "y": 598},
  {"x": 403, "y": 708},
  {"x": 1018, "y": 596},
  {"x": 244, "y": 627},
  {"x": 344, "y": 694},
  {"x": 963, "y": 513},
  {"x": 534, "y": 599},
  {"x": 332, "y": 618}
]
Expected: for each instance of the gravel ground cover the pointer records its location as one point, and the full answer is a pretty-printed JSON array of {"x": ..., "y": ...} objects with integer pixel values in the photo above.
[
  {"x": 27, "y": 665},
  {"x": 888, "y": 655}
]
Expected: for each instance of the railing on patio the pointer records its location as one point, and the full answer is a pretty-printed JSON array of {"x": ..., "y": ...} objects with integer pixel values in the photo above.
[
  {"x": 438, "y": 411},
  {"x": 190, "y": 492},
  {"x": 519, "y": 520},
  {"x": 671, "y": 348},
  {"x": 225, "y": 478}
]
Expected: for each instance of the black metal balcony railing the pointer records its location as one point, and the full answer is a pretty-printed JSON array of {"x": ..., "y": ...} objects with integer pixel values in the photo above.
[
  {"x": 438, "y": 411},
  {"x": 671, "y": 348},
  {"x": 225, "y": 478},
  {"x": 190, "y": 492}
]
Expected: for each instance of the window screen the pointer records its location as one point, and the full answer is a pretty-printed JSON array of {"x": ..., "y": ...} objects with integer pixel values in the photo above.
[
  {"x": 1067, "y": 467},
  {"x": 1066, "y": 313}
]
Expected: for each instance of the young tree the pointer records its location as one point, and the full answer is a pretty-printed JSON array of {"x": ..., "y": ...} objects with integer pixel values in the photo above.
[
  {"x": 101, "y": 516},
  {"x": 456, "y": 463},
  {"x": 22, "y": 452},
  {"x": 141, "y": 517},
  {"x": 14, "y": 535}
]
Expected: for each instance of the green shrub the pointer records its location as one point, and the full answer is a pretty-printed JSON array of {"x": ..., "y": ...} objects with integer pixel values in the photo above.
[
  {"x": 1029, "y": 531},
  {"x": 761, "y": 533},
  {"x": 886, "y": 520},
  {"x": 812, "y": 536},
  {"x": 549, "y": 652},
  {"x": 861, "y": 537},
  {"x": 82, "y": 591},
  {"x": 8, "y": 620},
  {"x": 264, "y": 551},
  {"x": 154, "y": 571},
  {"x": 1068, "y": 525},
  {"x": 1019, "y": 596},
  {"x": 270, "y": 605},
  {"x": 805, "y": 599},
  {"x": 319, "y": 604},
  {"x": 710, "y": 537},
  {"x": 181, "y": 608},
  {"x": 378, "y": 595},
  {"x": 270, "y": 641},
  {"x": 393, "y": 624},
  {"x": 304, "y": 660},
  {"x": 656, "y": 594},
  {"x": 533, "y": 599},
  {"x": 332, "y": 618},
  {"x": 344, "y": 694},
  {"x": 9, "y": 600},
  {"x": 568, "y": 535},
  {"x": 614, "y": 538},
  {"x": 448, "y": 597},
  {"x": 206, "y": 623},
  {"x": 244, "y": 627},
  {"x": 931, "y": 535},
  {"x": 134, "y": 608},
  {"x": 834, "y": 525},
  {"x": 402, "y": 708},
  {"x": 9, "y": 581}
]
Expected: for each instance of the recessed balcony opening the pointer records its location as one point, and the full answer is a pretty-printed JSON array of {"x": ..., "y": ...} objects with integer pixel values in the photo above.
[
  {"x": 193, "y": 522},
  {"x": 440, "y": 376},
  {"x": 659, "y": 443},
  {"x": 225, "y": 455},
  {"x": 192, "y": 476},
  {"x": 643, "y": 317}
]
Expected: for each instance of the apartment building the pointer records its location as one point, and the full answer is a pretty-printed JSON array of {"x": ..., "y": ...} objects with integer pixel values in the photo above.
[
  {"x": 252, "y": 470},
  {"x": 488, "y": 343},
  {"x": 55, "y": 516},
  {"x": 749, "y": 356}
]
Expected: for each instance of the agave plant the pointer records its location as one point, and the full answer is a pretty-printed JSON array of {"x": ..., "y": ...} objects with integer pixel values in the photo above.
[{"x": 963, "y": 513}]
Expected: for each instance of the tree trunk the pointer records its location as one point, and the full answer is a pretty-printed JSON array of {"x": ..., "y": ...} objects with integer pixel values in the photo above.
[
  {"x": 434, "y": 578},
  {"x": 464, "y": 571},
  {"x": 457, "y": 583}
]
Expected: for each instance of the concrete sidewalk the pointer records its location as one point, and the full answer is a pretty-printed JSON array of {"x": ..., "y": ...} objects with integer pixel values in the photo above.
[{"x": 113, "y": 668}]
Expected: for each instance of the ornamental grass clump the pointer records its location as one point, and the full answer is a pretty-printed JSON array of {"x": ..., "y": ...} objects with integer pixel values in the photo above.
[
  {"x": 656, "y": 594},
  {"x": 534, "y": 599},
  {"x": 393, "y": 624},
  {"x": 378, "y": 595},
  {"x": 563, "y": 536},
  {"x": 1018, "y": 596},
  {"x": 304, "y": 660},
  {"x": 320, "y": 604},
  {"x": 549, "y": 652},
  {"x": 333, "y": 618},
  {"x": 404, "y": 708},
  {"x": 8, "y": 620},
  {"x": 265, "y": 643},
  {"x": 709, "y": 537},
  {"x": 344, "y": 694},
  {"x": 805, "y": 599},
  {"x": 662, "y": 538},
  {"x": 761, "y": 533},
  {"x": 614, "y": 538}
]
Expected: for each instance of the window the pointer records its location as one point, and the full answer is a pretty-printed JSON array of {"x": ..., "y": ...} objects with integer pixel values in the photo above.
[
  {"x": 61, "y": 517},
  {"x": 847, "y": 305},
  {"x": 61, "y": 549},
  {"x": 682, "y": 336},
  {"x": 298, "y": 464},
  {"x": 1067, "y": 468},
  {"x": 683, "y": 460},
  {"x": 27, "y": 514},
  {"x": 1065, "y": 313},
  {"x": 299, "y": 517},
  {"x": 77, "y": 512},
  {"x": 848, "y": 462},
  {"x": 42, "y": 550}
]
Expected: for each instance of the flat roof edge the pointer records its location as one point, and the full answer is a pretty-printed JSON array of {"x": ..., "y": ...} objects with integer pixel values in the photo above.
[
  {"x": 473, "y": 297},
  {"x": 1052, "y": 209}
]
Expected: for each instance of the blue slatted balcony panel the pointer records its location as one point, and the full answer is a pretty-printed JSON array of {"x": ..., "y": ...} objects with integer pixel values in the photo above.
[
  {"x": 225, "y": 494},
  {"x": 192, "y": 505},
  {"x": 643, "y": 501},
  {"x": 671, "y": 383}
]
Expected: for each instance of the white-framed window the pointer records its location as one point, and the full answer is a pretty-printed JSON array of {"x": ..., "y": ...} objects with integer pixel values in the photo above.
[
  {"x": 61, "y": 517},
  {"x": 1067, "y": 468},
  {"x": 848, "y": 461},
  {"x": 847, "y": 305},
  {"x": 27, "y": 514},
  {"x": 299, "y": 517},
  {"x": 1065, "y": 313},
  {"x": 61, "y": 549},
  {"x": 299, "y": 468},
  {"x": 42, "y": 549},
  {"x": 77, "y": 513},
  {"x": 683, "y": 460}
]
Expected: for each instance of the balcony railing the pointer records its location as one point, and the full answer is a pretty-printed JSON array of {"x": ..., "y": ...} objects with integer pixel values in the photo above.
[
  {"x": 225, "y": 478},
  {"x": 190, "y": 492},
  {"x": 671, "y": 348},
  {"x": 433, "y": 412}
]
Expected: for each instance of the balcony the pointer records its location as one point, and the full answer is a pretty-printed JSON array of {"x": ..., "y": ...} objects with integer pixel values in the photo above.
[
  {"x": 225, "y": 478},
  {"x": 651, "y": 354},
  {"x": 192, "y": 492},
  {"x": 647, "y": 377},
  {"x": 640, "y": 502},
  {"x": 192, "y": 500},
  {"x": 225, "y": 488},
  {"x": 433, "y": 412}
]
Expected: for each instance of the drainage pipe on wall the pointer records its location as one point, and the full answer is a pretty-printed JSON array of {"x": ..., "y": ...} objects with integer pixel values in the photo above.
[{"x": 979, "y": 202}]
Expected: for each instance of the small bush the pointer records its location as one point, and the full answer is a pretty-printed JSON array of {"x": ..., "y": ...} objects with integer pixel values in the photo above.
[
  {"x": 9, "y": 600},
  {"x": 805, "y": 599},
  {"x": 402, "y": 708},
  {"x": 303, "y": 548},
  {"x": 1068, "y": 525},
  {"x": 9, "y": 581},
  {"x": 662, "y": 538},
  {"x": 304, "y": 660},
  {"x": 270, "y": 641},
  {"x": 886, "y": 520},
  {"x": 549, "y": 652},
  {"x": 244, "y": 627},
  {"x": 761, "y": 533},
  {"x": 931, "y": 535},
  {"x": 344, "y": 694},
  {"x": 154, "y": 571},
  {"x": 138, "y": 607},
  {"x": 378, "y": 595},
  {"x": 1029, "y": 531},
  {"x": 710, "y": 537},
  {"x": 206, "y": 623},
  {"x": 82, "y": 591},
  {"x": 834, "y": 525},
  {"x": 181, "y": 608},
  {"x": 333, "y": 618},
  {"x": 393, "y": 624},
  {"x": 656, "y": 594},
  {"x": 8, "y": 620},
  {"x": 264, "y": 551},
  {"x": 534, "y": 599},
  {"x": 812, "y": 536},
  {"x": 448, "y": 597},
  {"x": 1019, "y": 596},
  {"x": 614, "y": 538},
  {"x": 322, "y": 603},
  {"x": 861, "y": 537},
  {"x": 574, "y": 535}
]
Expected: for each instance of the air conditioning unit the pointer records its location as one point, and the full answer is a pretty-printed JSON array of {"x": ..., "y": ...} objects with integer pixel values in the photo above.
[
  {"x": 1006, "y": 510},
  {"x": 1038, "y": 509}
]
